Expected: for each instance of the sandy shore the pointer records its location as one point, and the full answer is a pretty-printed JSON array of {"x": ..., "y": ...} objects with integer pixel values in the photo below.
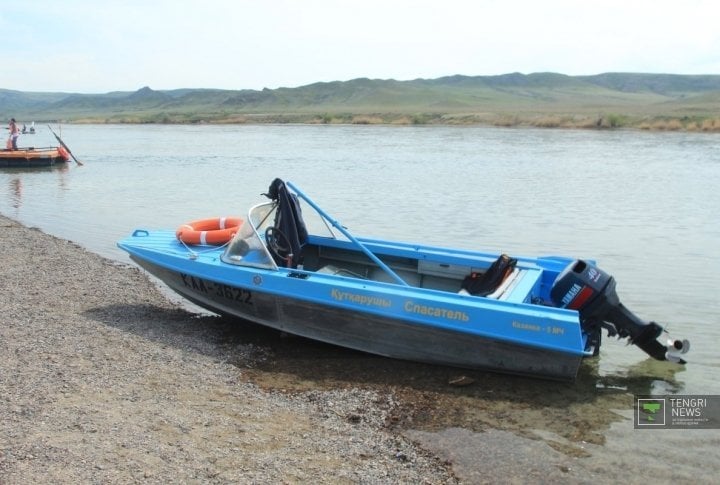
[{"x": 103, "y": 380}]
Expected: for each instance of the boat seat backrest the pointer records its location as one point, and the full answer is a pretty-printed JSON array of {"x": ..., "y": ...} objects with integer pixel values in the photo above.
[
  {"x": 289, "y": 221},
  {"x": 484, "y": 284}
]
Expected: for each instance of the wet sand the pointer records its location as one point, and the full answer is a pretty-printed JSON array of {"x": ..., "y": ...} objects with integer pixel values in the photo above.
[{"x": 105, "y": 379}]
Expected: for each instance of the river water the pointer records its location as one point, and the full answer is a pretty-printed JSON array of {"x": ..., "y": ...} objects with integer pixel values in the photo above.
[{"x": 644, "y": 205}]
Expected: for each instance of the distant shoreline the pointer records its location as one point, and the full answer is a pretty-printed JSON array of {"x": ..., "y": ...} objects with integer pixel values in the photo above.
[
  {"x": 540, "y": 120},
  {"x": 655, "y": 102}
]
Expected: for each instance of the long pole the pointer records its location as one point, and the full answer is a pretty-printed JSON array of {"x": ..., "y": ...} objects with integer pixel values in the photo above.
[{"x": 65, "y": 146}]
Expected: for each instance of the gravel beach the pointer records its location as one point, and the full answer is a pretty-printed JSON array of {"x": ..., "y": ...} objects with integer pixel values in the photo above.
[{"x": 104, "y": 380}]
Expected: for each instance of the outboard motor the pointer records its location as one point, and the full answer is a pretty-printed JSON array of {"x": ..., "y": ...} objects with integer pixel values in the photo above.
[{"x": 591, "y": 291}]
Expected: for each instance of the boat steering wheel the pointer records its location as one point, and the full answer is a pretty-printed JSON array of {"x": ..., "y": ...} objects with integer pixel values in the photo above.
[{"x": 278, "y": 243}]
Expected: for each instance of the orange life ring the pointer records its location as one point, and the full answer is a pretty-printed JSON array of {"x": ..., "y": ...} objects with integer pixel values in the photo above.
[{"x": 215, "y": 231}]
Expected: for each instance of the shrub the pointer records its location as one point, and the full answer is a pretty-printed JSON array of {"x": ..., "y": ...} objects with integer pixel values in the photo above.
[
  {"x": 419, "y": 119},
  {"x": 615, "y": 120},
  {"x": 710, "y": 125}
]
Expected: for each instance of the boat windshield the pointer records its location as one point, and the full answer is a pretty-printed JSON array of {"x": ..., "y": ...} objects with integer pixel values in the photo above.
[{"x": 247, "y": 247}]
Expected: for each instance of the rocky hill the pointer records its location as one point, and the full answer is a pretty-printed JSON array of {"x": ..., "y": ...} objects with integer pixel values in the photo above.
[{"x": 550, "y": 98}]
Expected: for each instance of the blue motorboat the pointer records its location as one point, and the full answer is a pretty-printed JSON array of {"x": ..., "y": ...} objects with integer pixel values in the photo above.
[{"x": 291, "y": 266}]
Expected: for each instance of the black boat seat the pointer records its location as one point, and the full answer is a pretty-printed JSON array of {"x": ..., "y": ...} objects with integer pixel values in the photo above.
[
  {"x": 286, "y": 238},
  {"x": 505, "y": 288},
  {"x": 488, "y": 282}
]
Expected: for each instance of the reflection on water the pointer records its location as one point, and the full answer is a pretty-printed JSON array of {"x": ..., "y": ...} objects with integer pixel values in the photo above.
[
  {"x": 16, "y": 191},
  {"x": 580, "y": 412},
  {"x": 648, "y": 377},
  {"x": 15, "y": 176}
]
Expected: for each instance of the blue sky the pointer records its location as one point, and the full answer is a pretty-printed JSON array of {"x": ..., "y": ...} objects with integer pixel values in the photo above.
[{"x": 97, "y": 46}]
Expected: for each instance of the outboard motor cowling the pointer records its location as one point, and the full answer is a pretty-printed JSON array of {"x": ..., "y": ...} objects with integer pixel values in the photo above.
[{"x": 591, "y": 291}]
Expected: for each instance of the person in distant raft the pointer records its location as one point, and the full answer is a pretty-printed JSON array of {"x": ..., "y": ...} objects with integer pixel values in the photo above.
[{"x": 14, "y": 133}]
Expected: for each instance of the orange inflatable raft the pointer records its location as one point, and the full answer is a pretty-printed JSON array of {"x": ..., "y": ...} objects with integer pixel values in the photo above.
[{"x": 215, "y": 231}]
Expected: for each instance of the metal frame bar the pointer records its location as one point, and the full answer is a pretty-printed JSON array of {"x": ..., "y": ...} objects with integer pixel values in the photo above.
[{"x": 347, "y": 234}]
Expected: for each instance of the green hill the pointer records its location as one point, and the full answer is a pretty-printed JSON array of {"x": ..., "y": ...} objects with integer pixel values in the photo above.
[{"x": 542, "y": 99}]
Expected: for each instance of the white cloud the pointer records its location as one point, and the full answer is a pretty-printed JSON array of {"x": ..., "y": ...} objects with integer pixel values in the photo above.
[{"x": 90, "y": 46}]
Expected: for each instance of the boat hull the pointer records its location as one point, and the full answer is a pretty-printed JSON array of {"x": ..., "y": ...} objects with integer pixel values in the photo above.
[
  {"x": 31, "y": 158},
  {"x": 369, "y": 332}
]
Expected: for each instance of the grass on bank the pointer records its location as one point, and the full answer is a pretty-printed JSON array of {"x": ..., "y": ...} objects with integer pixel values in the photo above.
[{"x": 706, "y": 124}]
